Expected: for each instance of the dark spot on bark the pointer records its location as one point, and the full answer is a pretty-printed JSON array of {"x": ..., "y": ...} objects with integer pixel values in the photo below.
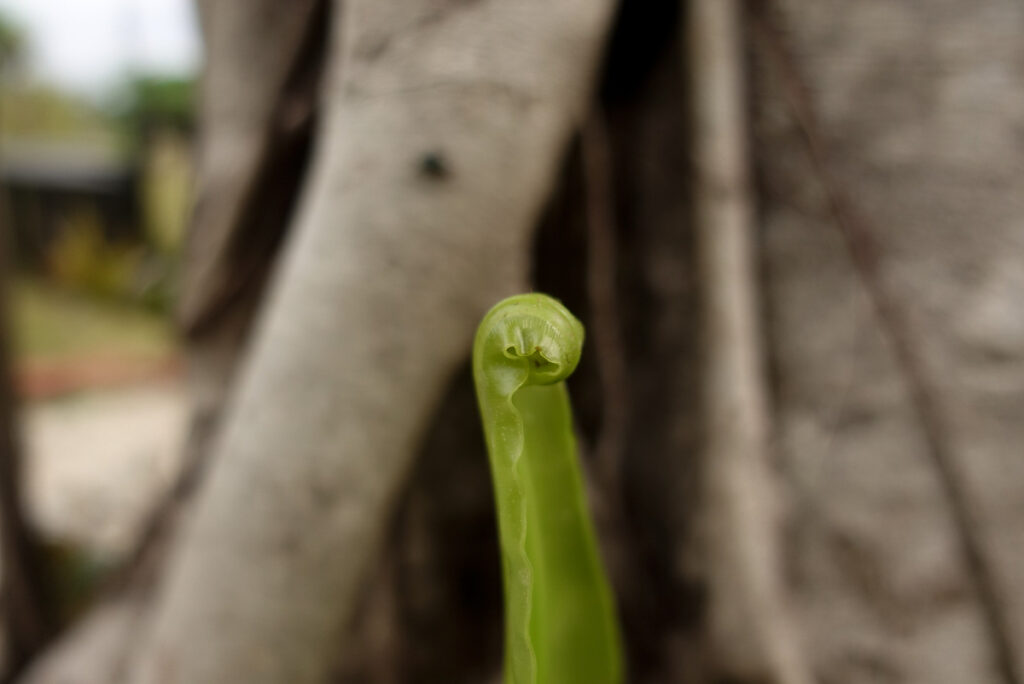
[{"x": 434, "y": 165}]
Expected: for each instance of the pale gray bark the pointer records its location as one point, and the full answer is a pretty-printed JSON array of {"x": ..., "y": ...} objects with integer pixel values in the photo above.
[
  {"x": 919, "y": 128},
  {"x": 443, "y": 127},
  {"x": 750, "y": 630}
]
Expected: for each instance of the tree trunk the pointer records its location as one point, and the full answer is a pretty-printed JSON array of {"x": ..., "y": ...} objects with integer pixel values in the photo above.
[
  {"x": 890, "y": 164},
  {"x": 442, "y": 131}
]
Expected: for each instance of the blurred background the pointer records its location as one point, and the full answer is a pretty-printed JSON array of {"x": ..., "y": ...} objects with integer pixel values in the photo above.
[
  {"x": 97, "y": 128},
  {"x": 793, "y": 231}
]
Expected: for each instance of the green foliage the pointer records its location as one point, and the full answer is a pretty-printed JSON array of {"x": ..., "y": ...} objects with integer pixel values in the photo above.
[
  {"x": 12, "y": 44},
  {"x": 52, "y": 322},
  {"x": 560, "y": 623},
  {"x": 40, "y": 113},
  {"x": 166, "y": 191},
  {"x": 81, "y": 259},
  {"x": 159, "y": 102}
]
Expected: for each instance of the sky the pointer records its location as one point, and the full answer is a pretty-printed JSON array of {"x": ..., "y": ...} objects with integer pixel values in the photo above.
[{"x": 89, "y": 45}]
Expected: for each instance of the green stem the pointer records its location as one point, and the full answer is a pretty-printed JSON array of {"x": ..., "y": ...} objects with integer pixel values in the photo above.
[{"x": 560, "y": 624}]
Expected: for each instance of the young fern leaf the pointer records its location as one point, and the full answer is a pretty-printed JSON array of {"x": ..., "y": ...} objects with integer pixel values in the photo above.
[{"x": 560, "y": 624}]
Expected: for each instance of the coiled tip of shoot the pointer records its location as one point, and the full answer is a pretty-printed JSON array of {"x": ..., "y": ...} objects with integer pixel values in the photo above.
[{"x": 534, "y": 332}]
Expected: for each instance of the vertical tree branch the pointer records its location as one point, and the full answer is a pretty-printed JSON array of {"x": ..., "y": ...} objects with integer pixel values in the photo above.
[
  {"x": 253, "y": 156},
  {"x": 443, "y": 126},
  {"x": 752, "y": 636}
]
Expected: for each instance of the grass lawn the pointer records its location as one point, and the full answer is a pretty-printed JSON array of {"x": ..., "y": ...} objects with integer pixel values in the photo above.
[{"x": 50, "y": 323}]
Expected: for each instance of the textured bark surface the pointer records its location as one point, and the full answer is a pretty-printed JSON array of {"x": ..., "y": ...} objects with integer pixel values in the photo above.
[
  {"x": 920, "y": 116},
  {"x": 750, "y": 629},
  {"x": 442, "y": 552},
  {"x": 443, "y": 126}
]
